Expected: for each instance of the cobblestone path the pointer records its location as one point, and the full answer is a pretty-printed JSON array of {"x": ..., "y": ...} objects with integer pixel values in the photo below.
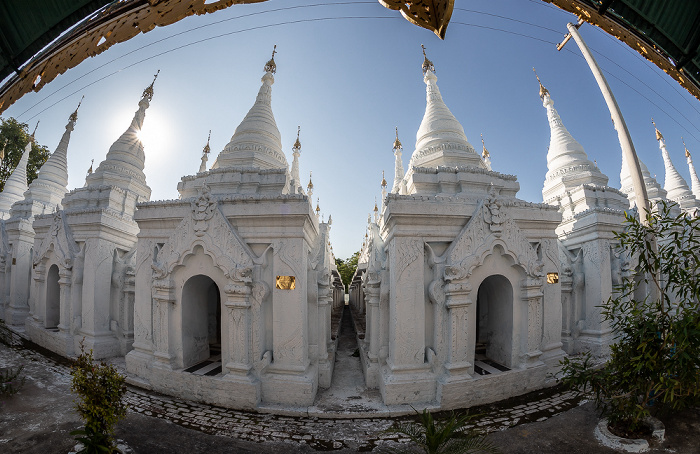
[{"x": 314, "y": 433}]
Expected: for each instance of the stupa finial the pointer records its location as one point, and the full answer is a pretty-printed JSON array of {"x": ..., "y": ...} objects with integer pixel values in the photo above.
[
  {"x": 90, "y": 169},
  {"x": 543, "y": 91},
  {"x": 687, "y": 153},
  {"x": 271, "y": 66},
  {"x": 74, "y": 116},
  {"x": 397, "y": 142},
  {"x": 34, "y": 132},
  {"x": 384, "y": 183},
  {"x": 297, "y": 144},
  {"x": 659, "y": 136},
  {"x": 318, "y": 206},
  {"x": 207, "y": 148},
  {"x": 485, "y": 153},
  {"x": 427, "y": 64},
  {"x": 148, "y": 92}
]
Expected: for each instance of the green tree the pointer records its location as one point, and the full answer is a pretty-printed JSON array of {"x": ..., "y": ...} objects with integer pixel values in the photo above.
[
  {"x": 15, "y": 136},
  {"x": 655, "y": 363},
  {"x": 347, "y": 267}
]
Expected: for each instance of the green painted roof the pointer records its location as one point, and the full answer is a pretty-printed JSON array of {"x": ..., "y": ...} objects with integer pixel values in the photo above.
[
  {"x": 27, "y": 26},
  {"x": 667, "y": 32}
]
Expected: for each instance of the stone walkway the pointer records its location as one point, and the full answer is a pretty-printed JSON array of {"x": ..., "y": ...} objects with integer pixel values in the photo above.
[
  {"x": 347, "y": 394},
  {"x": 299, "y": 433}
]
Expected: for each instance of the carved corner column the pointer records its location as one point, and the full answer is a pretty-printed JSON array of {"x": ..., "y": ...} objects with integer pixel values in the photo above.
[
  {"x": 65, "y": 278},
  {"x": 40, "y": 293},
  {"x": 163, "y": 302},
  {"x": 372, "y": 319},
  {"x": 534, "y": 301},
  {"x": 460, "y": 343},
  {"x": 325, "y": 366},
  {"x": 237, "y": 357},
  {"x": 126, "y": 315},
  {"x": 567, "y": 312}
]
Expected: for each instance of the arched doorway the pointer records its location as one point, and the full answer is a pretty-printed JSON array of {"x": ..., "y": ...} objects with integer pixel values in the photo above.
[
  {"x": 53, "y": 299},
  {"x": 201, "y": 325},
  {"x": 494, "y": 326}
]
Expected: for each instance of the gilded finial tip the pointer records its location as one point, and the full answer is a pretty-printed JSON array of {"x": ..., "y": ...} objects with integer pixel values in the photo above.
[
  {"x": 271, "y": 66},
  {"x": 397, "y": 142},
  {"x": 659, "y": 136},
  {"x": 207, "y": 148},
  {"x": 297, "y": 143},
  {"x": 543, "y": 91},
  {"x": 427, "y": 64}
]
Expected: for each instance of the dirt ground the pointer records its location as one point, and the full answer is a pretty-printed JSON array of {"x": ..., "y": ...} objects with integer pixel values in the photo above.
[{"x": 40, "y": 417}]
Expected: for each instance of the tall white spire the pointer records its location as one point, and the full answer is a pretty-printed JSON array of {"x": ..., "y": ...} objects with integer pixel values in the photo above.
[
  {"x": 398, "y": 167},
  {"x": 205, "y": 155},
  {"x": 383, "y": 184},
  {"x": 51, "y": 184},
  {"x": 674, "y": 184},
  {"x": 568, "y": 165},
  {"x": 695, "y": 182},
  {"x": 440, "y": 140},
  {"x": 296, "y": 152},
  {"x": 654, "y": 190},
  {"x": 123, "y": 166},
  {"x": 16, "y": 184},
  {"x": 257, "y": 141}
]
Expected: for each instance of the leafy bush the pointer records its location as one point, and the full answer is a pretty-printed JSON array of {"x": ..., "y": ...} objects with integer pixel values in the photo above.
[
  {"x": 100, "y": 389},
  {"x": 655, "y": 363},
  {"x": 450, "y": 436}
]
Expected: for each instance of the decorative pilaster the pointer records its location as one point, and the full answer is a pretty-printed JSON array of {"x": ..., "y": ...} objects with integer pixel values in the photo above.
[
  {"x": 163, "y": 300},
  {"x": 64, "y": 281},
  {"x": 238, "y": 358},
  {"x": 460, "y": 345},
  {"x": 534, "y": 299}
]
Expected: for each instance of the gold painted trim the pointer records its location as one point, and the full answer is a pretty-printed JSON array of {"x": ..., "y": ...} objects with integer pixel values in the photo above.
[
  {"x": 431, "y": 14},
  {"x": 110, "y": 26}
]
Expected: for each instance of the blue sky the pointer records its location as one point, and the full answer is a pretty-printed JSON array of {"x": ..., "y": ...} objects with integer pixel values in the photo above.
[{"x": 350, "y": 72}]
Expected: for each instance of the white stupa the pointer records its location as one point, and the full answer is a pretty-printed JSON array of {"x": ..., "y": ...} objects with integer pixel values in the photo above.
[
  {"x": 572, "y": 181},
  {"x": 654, "y": 190},
  {"x": 296, "y": 152},
  {"x": 16, "y": 184},
  {"x": 399, "y": 186},
  {"x": 440, "y": 140},
  {"x": 257, "y": 141},
  {"x": 695, "y": 182},
  {"x": 253, "y": 161},
  {"x": 568, "y": 165},
  {"x": 676, "y": 188},
  {"x": 45, "y": 193}
]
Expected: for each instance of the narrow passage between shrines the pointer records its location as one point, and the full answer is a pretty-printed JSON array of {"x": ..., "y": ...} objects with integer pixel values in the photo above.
[{"x": 348, "y": 393}]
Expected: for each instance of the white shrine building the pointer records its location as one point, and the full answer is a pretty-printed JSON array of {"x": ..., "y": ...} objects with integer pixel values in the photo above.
[{"x": 464, "y": 294}]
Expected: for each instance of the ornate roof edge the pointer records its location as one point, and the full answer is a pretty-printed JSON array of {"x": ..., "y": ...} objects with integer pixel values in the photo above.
[{"x": 97, "y": 33}]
